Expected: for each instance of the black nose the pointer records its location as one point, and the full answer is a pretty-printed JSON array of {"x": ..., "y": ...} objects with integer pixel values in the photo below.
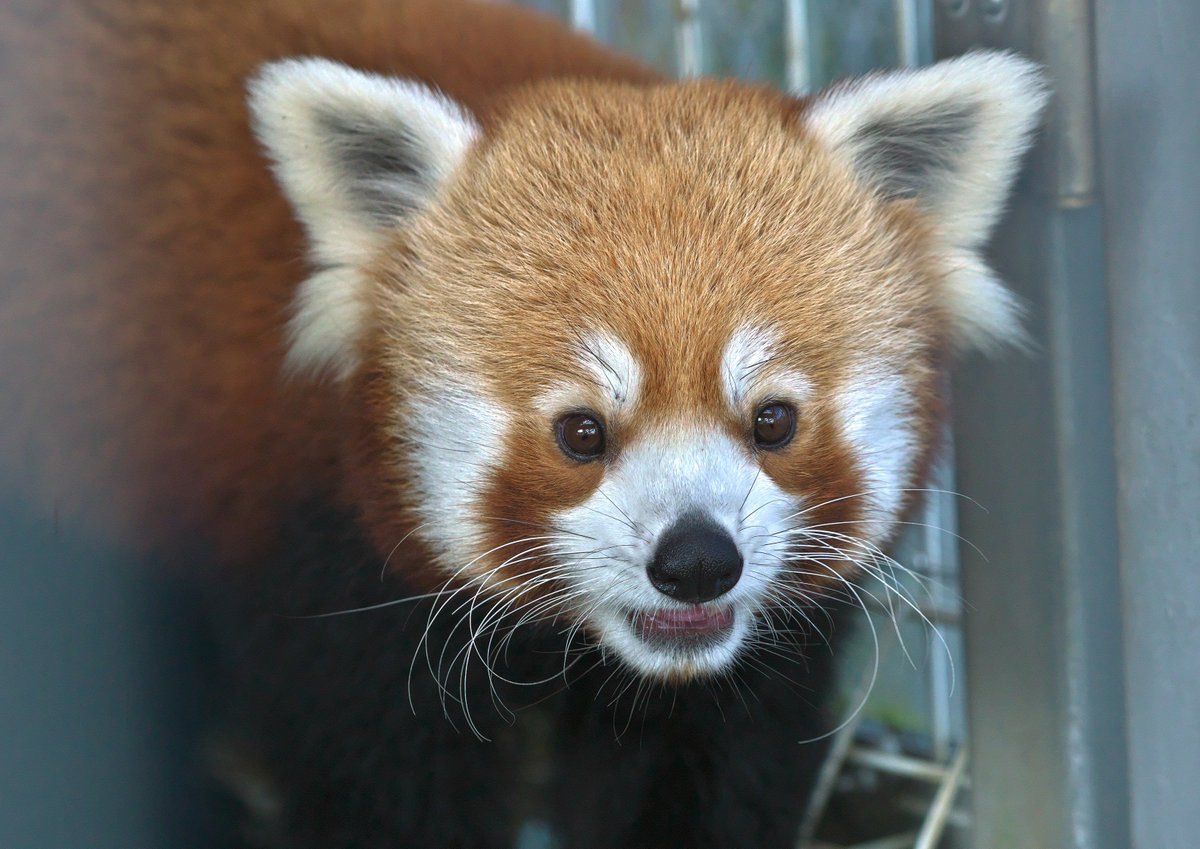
[{"x": 696, "y": 561}]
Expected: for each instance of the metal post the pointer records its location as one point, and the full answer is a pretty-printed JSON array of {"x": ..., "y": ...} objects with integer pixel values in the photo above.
[
  {"x": 909, "y": 52},
  {"x": 583, "y": 15},
  {"x": 798, "y": 48},
  {"x": 689, "y": 48}
]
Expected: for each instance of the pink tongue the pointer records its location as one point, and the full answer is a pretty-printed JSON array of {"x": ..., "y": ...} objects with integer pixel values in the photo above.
[{"x": 693, "y": 620}]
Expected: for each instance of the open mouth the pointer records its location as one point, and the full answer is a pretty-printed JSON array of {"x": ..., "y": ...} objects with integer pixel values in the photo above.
[{"x": 690, "y": 626}]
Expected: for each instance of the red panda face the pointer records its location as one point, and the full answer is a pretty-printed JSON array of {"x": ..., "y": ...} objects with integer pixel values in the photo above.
[{"x": 660, "y": 364}]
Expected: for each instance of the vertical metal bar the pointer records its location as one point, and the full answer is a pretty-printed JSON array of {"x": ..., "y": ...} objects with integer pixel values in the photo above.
[
  {"x": 689, "y": 47},
  {"x": 1064, "y": 28},
  {"x": 908, "y": 33},
  {"x": 583, "y": 15},
  {"x": 941, "y": 684},
  {"x": 798, "y": 47},
  {"x": 940, "y": 520}
]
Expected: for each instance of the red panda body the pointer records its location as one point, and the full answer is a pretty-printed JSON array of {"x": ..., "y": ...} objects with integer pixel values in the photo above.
[
  {"x": 150, "y": 261},
  {"x": 595, "y": 392}
]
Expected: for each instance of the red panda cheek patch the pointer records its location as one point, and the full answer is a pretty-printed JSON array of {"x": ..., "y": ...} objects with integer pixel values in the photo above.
[
  {"x": 879, "y": 424},
  {"x": 451, "y": 467}
]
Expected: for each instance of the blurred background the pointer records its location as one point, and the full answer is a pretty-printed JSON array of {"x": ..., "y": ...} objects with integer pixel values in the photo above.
[{"x": 1045, "y": 689}]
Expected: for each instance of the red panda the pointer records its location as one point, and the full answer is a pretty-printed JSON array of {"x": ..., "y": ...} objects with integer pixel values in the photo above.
[{"x": 617, "y": 381}]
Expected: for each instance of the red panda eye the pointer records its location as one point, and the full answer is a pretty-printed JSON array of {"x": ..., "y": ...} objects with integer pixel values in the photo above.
[
  {"x": 581, "y": 436},
  {"x": 774, "y": 425}
]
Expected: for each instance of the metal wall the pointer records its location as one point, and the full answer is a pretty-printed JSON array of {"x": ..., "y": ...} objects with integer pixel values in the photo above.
[
  {"x": 1148, "y": 71},
  {"x": 1035, "y": 446},
  {"x": 1084, "y": 628}
]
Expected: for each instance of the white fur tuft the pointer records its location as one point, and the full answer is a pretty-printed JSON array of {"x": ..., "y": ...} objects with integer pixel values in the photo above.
[
  {"x": 984, "y": 314},
  {"x": 951, "y": 137},
  {"x": 329, "y": 314}
]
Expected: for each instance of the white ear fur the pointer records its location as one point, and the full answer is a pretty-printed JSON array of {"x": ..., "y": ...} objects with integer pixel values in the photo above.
[
  {"x": 354, "y": 153},
  {"x": 949, "y": 136}
]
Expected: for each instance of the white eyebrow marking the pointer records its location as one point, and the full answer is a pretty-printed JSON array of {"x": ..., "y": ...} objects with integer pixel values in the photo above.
[
  {"x": 745, "y": 371},
  {"x": 610, "y": 370},
  {"x": 613, "y": 366}
]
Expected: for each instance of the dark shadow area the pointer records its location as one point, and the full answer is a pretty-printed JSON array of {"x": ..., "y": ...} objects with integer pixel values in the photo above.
[{"x": 105, "y": 685}]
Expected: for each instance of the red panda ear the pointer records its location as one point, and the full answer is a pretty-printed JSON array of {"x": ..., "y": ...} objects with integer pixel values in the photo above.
[
  {"x": 950, "y": 137},
  {"x": 355, "y": 154}
]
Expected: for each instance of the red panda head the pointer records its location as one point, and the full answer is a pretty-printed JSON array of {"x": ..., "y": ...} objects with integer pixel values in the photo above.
[{"x": 661, "y": 362}]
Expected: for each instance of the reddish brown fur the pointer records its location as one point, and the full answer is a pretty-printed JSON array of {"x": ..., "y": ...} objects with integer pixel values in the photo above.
[{"x": 149, "y": 260}]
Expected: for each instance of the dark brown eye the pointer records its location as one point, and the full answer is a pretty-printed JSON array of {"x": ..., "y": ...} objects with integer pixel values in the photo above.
[
  {"x": 581, "y": 436},
  {"x": 774, "y": 425}
]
